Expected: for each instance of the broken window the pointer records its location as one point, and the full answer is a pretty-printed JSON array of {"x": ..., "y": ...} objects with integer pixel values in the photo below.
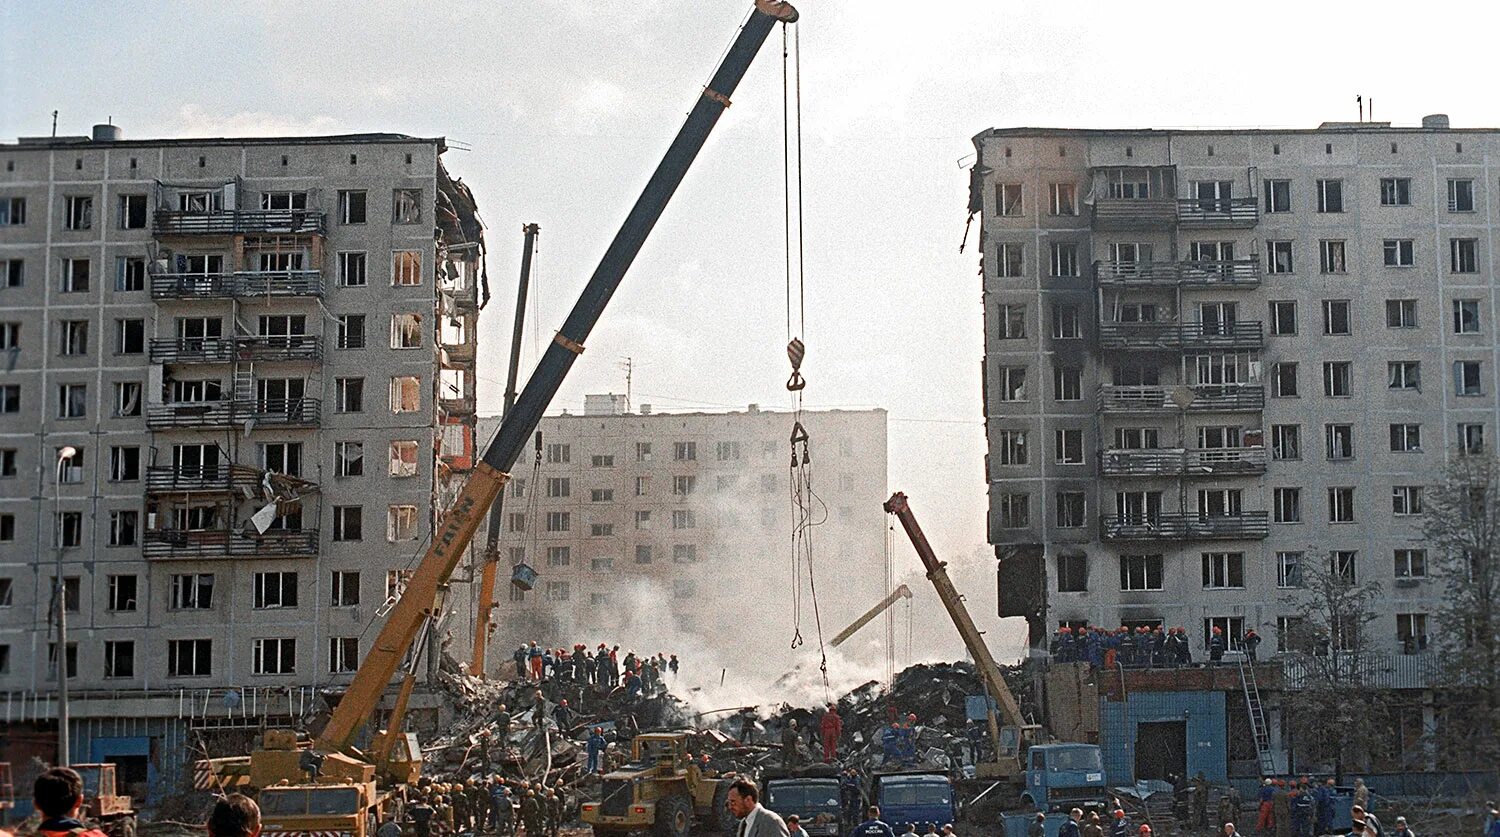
[
  {"x": 193, "y": 591},
  {"x": 351, "y": 458},
  {"x": 127, "y": 399},
  {"x": 406, "y": 394},
  {"x": 406, "y": 268},
  {"x": 1141, "y": 572},
  {"x": 406, "y": 206},
  {"x": 123, "y": 526},
  {"x": 352, "y": 269},
  {"x": 352, "y": 204},
  {"x": 124, "y": 464},
  {"x": 1008, "y": 198},
  {"x": 79, "y": 211},
  {"x": 132, "y": 212},
  {"x": 72, "y": 401},
  {"x": 275, "y": 590},
  {"x": 401, "y": 523},
  {"x": 348, "y": 523},
  {"x": 406, "y": 331},
  {"x": 352, "y": 331},
  {"x": 130, "y": 337},
  {"x": 403, "y": 458},
  {"x": 73, "y": 337},
  {"x": 1072, "y": 572},
  {"x": 274, "y": 656},
  {"x": 343, "y": 653}
]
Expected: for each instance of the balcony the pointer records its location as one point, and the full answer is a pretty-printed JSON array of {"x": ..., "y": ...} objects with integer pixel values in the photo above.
[
  {"x": 1218, "y": 213},
  {"x": 239, "y": 221},
  {"x": 211, "y": 479},
  {"x": 174, "y": 544},
  {"x": 1134, "y": 213},
  {"x": 245, "y": 284},
  {"x": 210, "y": 415},
  {"x": 459, "y": 354},
  {"x": 1201, "y": 398},
  {"x": 1170, "y": 526},
  {"x": 457, "y": 406},
  {"x": 1156, "y": 336},
  {"x": 301, "y": 347},
  {"x": 1236, "y": 273},
  {"x": 1172, "y": 462}
]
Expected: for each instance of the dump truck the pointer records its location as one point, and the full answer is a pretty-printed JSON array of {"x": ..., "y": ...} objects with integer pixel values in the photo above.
[
  {"x": 660, "y": 790},
  {"x": 812, "y": 793}
]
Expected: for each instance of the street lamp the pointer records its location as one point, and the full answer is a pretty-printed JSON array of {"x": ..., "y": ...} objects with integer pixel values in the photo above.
[{"x": 63, "y": 455}]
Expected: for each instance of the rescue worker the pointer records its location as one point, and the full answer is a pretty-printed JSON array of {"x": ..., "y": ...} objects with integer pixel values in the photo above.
[
  {"x": 1158, "y": 647},
  {"x": 832, "y": 727},
  {"x": 1323, "y": 816},
  {"x": 421, "y": 814},
  {"x": 58, "y": 796},
  {"x": 1402, "y": 830},
  {"x": 633, "y": 684},
  {"x": 789, "y": 752},
  {"x": 1200, "y": 800},
  {"x": 479, "y": 804},
  {"x": 873, "y": 826},
  {"x": 534, "y": 656},
  {"x": 1121, "y": 825},
  {"x": 1072, "y": 826},
  {"x": 531, "y": 814},
  {"x": 1302, "y": 810},
  {"x": 1266, "y": 807},
  {"x": 747, "y": 725},
  {"x": 595, "y": 749},
  {"x": 388, "y": 827},
  {"x": 502, "y": 820},
  {"x": 555, "y": 808},
  {"x": 1281, "y": 810},
  {"x": 1250, "y": 641},
  {"x": 850, "y": 795},
  {"x": 442, "y": 814},
  {"x": 563, "y": 715},
  {"x": 1216, "y": 646},
  {"x": 1092, "y": 827},
  {"x": 237, "y": 815},
  {"x": 1227, "y": 814},
  {"x": 461, "y": 821},
  {"x": 1127, "y": 647},
  {"x": 672, "y": 666},
  {"x": 520, "y": 658}
]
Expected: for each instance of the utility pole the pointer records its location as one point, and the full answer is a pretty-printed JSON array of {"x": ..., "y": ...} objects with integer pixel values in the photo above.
[{"x": 629, "y": 366}]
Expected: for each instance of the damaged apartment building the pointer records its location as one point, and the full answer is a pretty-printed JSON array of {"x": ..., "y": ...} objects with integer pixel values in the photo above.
[{"x": 238, "y": 390}]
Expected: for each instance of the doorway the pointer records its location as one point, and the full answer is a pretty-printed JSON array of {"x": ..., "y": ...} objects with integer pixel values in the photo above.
[{"x": 1160, "y": 750}]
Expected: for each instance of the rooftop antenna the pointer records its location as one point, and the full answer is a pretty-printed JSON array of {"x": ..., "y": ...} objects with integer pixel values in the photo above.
[
  {"x": 1361, "y": 101},
  {"x": 629, "y": 366},
  {"x": 1372, "y": 108},
  {"x": 54, "y": 124}
]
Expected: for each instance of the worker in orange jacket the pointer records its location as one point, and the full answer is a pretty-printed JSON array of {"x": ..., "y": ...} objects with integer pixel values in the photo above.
[
  {"x": 58, "y": 794},
  {"x": 832, "y": 727}
]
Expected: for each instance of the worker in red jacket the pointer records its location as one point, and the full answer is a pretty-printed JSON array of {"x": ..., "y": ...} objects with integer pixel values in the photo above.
[{"x": 832, "y": 727}]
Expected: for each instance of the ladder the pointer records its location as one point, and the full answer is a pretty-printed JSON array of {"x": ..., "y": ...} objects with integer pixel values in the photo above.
[{"x": 1258, "y": 726}]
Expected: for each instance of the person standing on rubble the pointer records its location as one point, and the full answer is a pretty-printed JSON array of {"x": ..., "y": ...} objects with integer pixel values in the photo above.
[
  {"x": 460, "y": 807},
  {"x": 747, "y": 725},
  {"x": 789, "y": 752},
  {"x": 520, "y": 659},
  {"x": 534, "y": 657},
  {"x": 595, "y": 749},
  {"x": 832, "y": 727},
  {"x": 531, "y": 813},
  {"x": 672, "y": 665},
  {"x": 873, "y": 826}
]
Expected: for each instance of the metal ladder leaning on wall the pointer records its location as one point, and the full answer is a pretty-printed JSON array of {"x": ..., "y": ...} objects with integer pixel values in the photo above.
[{"x": 1258, "y": 726}]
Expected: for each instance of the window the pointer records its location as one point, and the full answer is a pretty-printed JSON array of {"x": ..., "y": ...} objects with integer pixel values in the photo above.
[
  {"x": 10, "y": 398},
  {"x": 1288, "y": 570},
  {"x": 123, "y": 527},
  {"x": 515, "y": 521},
  {"x": 1406, "y": 500},
  {"x": 1330, "y": 196},
  {"x": 1067, "y": 383},
  {"x": 130, "y": 337},
  {"x": 1284, "y": 380},
  {"x": 273, "y": 656},
  {"x": 1460, "y": 195},
  {"x": 559, "y": 521},
  {"x": 1284, "y": 317},
  {"x": 1395, "y": 191},
  {"x": 352, "y": 331},
  {"x": 275, "y": 590},
  {"x": 1071, "y": 510},
  {"x": 124, "y": 464},
  {"x": 395, "y": 583},
  {"x": 193, "y": 591},
  {"x": 643, "y": 486},
  {"x": 1278, "y": 257},
  {"x": 1010, "y": 321},
  {"x": 283, "y": 200},
  {"x": 684, "y": 553},
  {"x": 1411, "y": 628},
  {"x": 1336, "y": 316},
  {"x": 1064, "y": 258},
  {"x": 1072, "y": 572},
  {"x": 406, "y": 206},
  {"x": 601, "y": 495},
  {"x": 1287, "y": 503},
  {"x": 349, "y": 395},
  {"x": 119, "y": 658},
  {"x": 1406, "y": 438},
  {"x": 1470, "y": 438},
  {"x": 78, "y": 212},
  {"x": 1411, "y": 563},
  {"x": 727, "y": 451},
  {"x": 352, "y": 206},
  {"x": 1463, "y": 255},
  {"x": 684, "y": 519},
  {"x": 602, "y": 461},
  {"x": 1065, "y": 322},
  {"x": 684, "y": 485},
  {"x": 343, "y": 588},
  {"x": 1339, "y": 439},
  {"x": 1223, "y": 570},
  {"x": 403, "y": 458},
  {"x": 71, "y": 466},
  {"x": 1010, "y": 383},
  {"x": 1331, "y": 256},
  {"x": 349, "y": 458},
  {"x": 7, "y": 462},
  {"x": 1467, "y": 378},
  {"x": 559, "y": 487},
  {"x": 1064, "y": 199},
  {"x": 190, "y": 657},
  {"x": 1140, "y": 572},
  {"x": 406, "y": 394},
  {"x": 12, "y": 212},
  {"x": 1403, "y": 374},
  {"x": 1338, "y": 378},
  {"x": 1010, "y": 447},
  {"x": 1465, "y": 316},
  {"x": 73, "y": 337},
  {"x": 1009, "y": 263},
  {"x": 12, "y": 271},
  {"x": 1015, "y": 511},
  {"x": 352, "y": 269},
  {"x": 1398, "y": 252},
  {"x": 1401, "y": 313},
  {"x": 130, "y": 274},
  {"x": 7, "y": 528},
  {"x": 343, "y": 652},
  {"x": 401, "y": 523},
  {"x": 406, "y": 268},
  {"x": 122, "y": 593},
  {"x": 72, "y": 400},
  {"x": 642, "y": 519},
  {"x": 685, "y": 451},
  {"x": 1341, "y": 504},
  {"x": 558, "y": 591},
  {"x": 10, "y": 336},
  {"x": 1068, "y": 447},
  {"x": 348, "y": 523},
  {"x": 1008, "y": 198},
  {"x": 406, "y": 331},
  {"x": 643, "y": 451},
  {"x": 1278, "y": 195}
]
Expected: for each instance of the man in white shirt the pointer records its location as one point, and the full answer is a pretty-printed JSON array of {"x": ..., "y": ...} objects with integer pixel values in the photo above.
[{"x": 755, "y": 821}]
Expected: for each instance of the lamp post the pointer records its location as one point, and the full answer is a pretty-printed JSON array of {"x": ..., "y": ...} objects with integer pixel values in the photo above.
[{"x": 63, "y": 455}]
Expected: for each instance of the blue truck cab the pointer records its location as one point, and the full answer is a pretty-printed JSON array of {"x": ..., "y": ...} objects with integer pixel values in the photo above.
[
  {"x": 1064, "y": 776},
  {"x": 915, "y": 798}
]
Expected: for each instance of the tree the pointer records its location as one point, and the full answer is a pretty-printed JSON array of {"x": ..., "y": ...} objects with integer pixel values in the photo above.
[
  {"x": 1330, "y": 706},
  {"x": 1462, "y": 525}
]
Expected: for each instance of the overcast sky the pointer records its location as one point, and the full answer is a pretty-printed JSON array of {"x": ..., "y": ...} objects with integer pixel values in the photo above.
[{"x": 566, "y": 107}]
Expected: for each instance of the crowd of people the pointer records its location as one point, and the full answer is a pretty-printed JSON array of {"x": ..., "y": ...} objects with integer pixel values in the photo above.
[
  {"x": 1143, "y": 646},
  {"x": 604, "y": 668},
  {"x": 495, "y": 806}
]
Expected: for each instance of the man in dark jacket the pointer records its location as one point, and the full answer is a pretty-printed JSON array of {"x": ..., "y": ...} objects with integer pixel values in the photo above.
[{"x": 58, "y": 794}]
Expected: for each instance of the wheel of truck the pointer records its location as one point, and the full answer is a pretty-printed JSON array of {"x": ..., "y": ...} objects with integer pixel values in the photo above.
[
  {"x": 719, "y": 819},
  {"x": 123, "y": 827},
  {"x": 1028, "y": 805},
  {"x": 674, "y": 817}
]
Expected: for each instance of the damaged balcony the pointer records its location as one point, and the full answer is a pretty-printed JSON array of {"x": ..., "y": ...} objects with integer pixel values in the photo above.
[
  {"x": 1200, "y": 398},
  {"x": 1133, "y": 197},
  {"x": 1218, "y": 213},
  {"x": 176, "y": 544},
  {"x": 1199, "y": 335},
  {"x": 239, "y": 222},
  {"x": 301, "y": 347},
  {"x": 244, "y": 284},
  {"x": 1235, "y": 273},
  {"x": 458, "y": 355},
  {"x": 209, "y": 415},
  {"x": 1172, "y": 462},
  {"x": 1175, "y": 526},
  {"x": 208, "y": 479}
]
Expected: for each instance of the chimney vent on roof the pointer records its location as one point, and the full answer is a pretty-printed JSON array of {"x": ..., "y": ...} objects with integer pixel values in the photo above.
[
  {"x": 1438, "y": 121},
  {"x": 108, "y": 133}
]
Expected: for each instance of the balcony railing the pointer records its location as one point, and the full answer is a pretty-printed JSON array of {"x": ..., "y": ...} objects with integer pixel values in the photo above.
[
  {"x": 1173, "y": 526},
  {"x": 1150, "y": 462},
  {"x": 224, "y": 543},
  {"x": 1205, "y": 213},
  {"x": 208, "y": 479},
  {"x": 1236, "y": 335},
  {"x": 1420, "y": 670},
  {"x": 279, "y": 412},
  {"x": 242, "y": 285},
  {"x": 228, "y": 349},
  {"x": 1234, "y": 273},
  {"x": 1134, "y": 213},
  {"x": 1201, "y": 398},
  {"x": 237, "y": 221}
]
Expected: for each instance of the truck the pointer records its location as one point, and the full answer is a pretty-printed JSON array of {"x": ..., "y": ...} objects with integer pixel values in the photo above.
[
  {"x": 812, "y": 794},
  {"x": 660, "y": 790},
  {"x": 915, "y": 797},
  {"x": 310, "y": 810},
  {"x": 113, "y": 813},
  {"x": 1060, "y": 777}
]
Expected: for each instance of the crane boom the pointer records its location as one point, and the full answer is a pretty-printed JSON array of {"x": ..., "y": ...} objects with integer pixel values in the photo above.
[
  {"x": 902, "y": 592},
  {"x": 455, "y": 530}
]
